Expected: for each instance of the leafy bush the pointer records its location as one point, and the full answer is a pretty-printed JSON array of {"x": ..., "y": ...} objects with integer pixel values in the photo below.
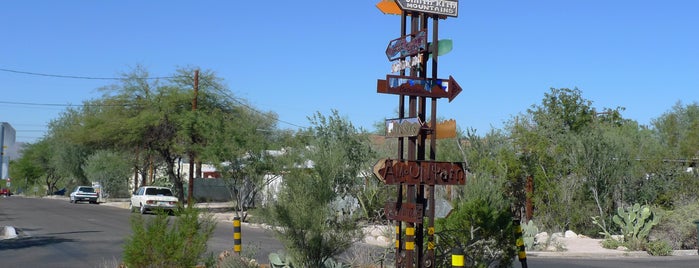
[
  {"x": 659, "y": 248},
  {"x": 482, "y": 229},
  {"x": 155, "y": 242},
  {"x": 611, "y": 243}
]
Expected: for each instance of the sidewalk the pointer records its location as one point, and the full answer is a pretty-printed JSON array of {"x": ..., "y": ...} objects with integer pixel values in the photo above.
[{"x": 589, "y": 247}]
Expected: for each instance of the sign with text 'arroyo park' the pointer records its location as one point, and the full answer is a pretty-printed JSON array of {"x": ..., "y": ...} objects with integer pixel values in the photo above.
[
  {"x": 403, "y": 127},
  {"x": 417, "y": 172},
  {"x": 416, "y": 86},
  {"x": 407, "y": 212},
  {"x": 448, "y": 8},
  {"x": 407, "y": 45}
]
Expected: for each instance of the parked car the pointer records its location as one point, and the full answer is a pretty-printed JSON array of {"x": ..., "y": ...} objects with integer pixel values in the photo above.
[
  {"x": 83, "y": 193},
  {"x": 5, "y": 192},
  {"x": 148, "y": 198}
]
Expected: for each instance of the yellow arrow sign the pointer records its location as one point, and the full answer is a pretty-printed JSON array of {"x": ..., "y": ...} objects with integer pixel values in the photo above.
[
  {"x": 445, "y": 129},
  {"x": 389, "y": 7}
]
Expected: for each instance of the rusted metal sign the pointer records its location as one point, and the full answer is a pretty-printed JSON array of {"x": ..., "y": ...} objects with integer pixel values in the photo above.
[
  {"x": 416, "y": 86},
  {"x": 407, "y": 45},
  {"x": 448, "y": 8},
  {"x": 415, "y": 172},
  {"x": 407, "y": 212},
  {"x": 403, "y": 127},
  {"x": 445, "y": 129}
]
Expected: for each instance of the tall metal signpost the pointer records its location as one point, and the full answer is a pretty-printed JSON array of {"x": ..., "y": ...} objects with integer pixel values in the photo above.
[{"x": 413, "y": 174}]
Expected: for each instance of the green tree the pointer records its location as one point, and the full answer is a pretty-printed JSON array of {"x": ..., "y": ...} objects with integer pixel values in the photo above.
[
  {"x": 312, "y": 227},
  {"x": 29, "y": 169},
  {"x": 155, "y": 120},
  {"x": 678, "y": 129},
  {"x": 562, "y": 144},
  {"x": 481, "y": 220},
  {"x": 245, "y": 153},
  {"x": 111, "y": 169}
]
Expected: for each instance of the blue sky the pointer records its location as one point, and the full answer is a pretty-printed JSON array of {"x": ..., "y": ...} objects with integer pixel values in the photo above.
[{"x": 300, "y": 57}]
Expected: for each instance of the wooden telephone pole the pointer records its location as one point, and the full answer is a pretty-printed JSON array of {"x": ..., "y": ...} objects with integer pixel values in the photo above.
[{"x": 190, "y": 185}]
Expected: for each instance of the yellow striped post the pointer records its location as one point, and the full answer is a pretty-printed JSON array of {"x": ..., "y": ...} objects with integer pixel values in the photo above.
[
  {"x": 457, "y": 257},
  {"x": 410, "y": 238},
  {"x": 521, "y": 254},
  {"x": 237, "y": 241}
]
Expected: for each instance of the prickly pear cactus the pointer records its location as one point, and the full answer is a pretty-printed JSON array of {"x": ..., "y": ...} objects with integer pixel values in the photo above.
[
  {"x": 636, "y": 221},
  {"x": 529, "y": 231}
]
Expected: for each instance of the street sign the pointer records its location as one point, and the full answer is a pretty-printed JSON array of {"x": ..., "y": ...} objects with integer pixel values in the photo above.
[
  {"x": 403, "y": 127},
  {"x": 407, "y": 45},
  {"x": 442, "y": 208},
  {"x": 448, "y": 8},
  {"x": 445, "y": 129},
  {"x": 415, "y": 172},
  {"x": 407, "y": 212},
  {"x": 389, "y": 7},
  {"x": 416, "y": 86}
]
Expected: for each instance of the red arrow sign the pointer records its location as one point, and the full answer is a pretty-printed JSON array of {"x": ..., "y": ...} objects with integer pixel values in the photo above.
[
  {"x": 407, "y": 46},
  {"x": 416, "y": 86}
]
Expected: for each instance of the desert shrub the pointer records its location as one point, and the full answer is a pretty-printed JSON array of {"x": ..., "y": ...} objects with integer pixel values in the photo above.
[
  {"x": 611, "y": 243},
  {"x": 482, "y": 229},
  {"x": 156, "y": 242},
  {"x": 659, "y": 248},
  {"x": 677, "y": 227},
  {"x": 244, "y": 259}
]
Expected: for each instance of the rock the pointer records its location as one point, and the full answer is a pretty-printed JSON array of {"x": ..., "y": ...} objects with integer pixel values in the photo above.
[
  {"x": 384, "y": 241},
  {"x": 8, "y": 232},
  {"x": 551, "y": 248},
  {"x": 541, "y": 238},
  {"x": 570, "y": 234},
  {"x": 556, "y": 236}
]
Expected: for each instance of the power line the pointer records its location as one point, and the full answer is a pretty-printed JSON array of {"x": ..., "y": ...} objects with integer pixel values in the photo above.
[
  {"x": 225, "y": 93},
  {"x": 64, "y": 105},
  {"x": 84, "y": 77},
  {"x": 36, "y": 104},
  {"x": 121, "y": 78}
]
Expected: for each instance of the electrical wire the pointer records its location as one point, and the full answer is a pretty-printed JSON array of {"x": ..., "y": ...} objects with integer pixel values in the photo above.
[
  {"x": 121, "y": 78},
  {"x": 226, "y": 94},
  {"x": 83, "y": 77}
]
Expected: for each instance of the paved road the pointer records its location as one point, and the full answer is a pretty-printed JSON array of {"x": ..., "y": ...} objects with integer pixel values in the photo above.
[{"x": 56, "y": 233}]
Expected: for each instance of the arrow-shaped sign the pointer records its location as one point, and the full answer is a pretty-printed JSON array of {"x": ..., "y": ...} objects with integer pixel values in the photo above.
[
  {"x": 407, "y": 45},
  {"x": 403, "y": 127},
  {"x": 389, "y": 7},
  {"x": 416, "y": 86},
  {"x": 416, "y": 172},
  {"x": 448, "y": 8}
]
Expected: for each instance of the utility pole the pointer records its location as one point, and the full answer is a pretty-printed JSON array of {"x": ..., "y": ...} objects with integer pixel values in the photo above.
[{"x": 190, "y": 188}]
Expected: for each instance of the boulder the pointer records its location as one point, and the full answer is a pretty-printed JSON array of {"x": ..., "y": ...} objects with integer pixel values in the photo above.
[{"x": 570, "y": 234}]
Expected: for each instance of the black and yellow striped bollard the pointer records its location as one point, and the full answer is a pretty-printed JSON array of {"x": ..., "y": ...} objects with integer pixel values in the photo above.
[{"x": 237, "y": 242}]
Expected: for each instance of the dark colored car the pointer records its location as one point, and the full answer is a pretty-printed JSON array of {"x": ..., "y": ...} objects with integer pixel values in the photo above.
[
  {"x": 5, "y": 192},
  {"x": 83, "y": 193}
]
